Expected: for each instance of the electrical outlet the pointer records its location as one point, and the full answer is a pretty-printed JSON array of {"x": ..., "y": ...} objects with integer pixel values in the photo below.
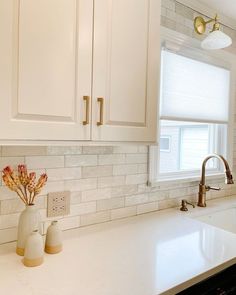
[{"x": 58, "y": 204}]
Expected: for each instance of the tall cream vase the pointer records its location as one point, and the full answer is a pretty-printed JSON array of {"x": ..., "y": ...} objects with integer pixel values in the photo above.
[{"x": 29, "y": 221}]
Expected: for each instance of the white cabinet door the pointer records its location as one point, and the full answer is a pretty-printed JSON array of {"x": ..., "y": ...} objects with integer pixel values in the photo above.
[
  {"x": 126, "y": 69},
  {"x": 46, "y": 66}
]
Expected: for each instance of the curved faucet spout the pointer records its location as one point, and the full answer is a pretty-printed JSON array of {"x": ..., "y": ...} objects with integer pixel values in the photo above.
[{"x": 202, "y": 185}]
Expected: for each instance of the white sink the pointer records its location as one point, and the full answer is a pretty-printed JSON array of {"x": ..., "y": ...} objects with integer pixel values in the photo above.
[{"x": 225, "y": 219}]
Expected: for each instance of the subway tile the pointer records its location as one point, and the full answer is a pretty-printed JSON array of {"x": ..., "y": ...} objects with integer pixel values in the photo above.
[
  {"x": 125, "y": 149},
  {"x": 96, "y": 171},
  {"x": 11, "y": 161},
  {"x": 37, "y": 162},
  {"x": 217, "y": 194},
  {"x": 8, "y": 221},
  {"x": 6, "y": 193},
  {"x": 63, "y": 173},
  {"x": 13, "y": 151},
  {"x": 83, "y": 208},
  {"x": 170, "y": 4},
  {"x": 11, "y": 206},
  {"x": 75, "y": 197},
  {"x": 163, "y": 11},
  {"x": 94, "y": 218},
  {"x": 125, "y": 169},
  {"x": 69, "y": 222},
  {"x": 168, "y": 23},
  {"x": 81, "y": 160},
  {"x": 97, "y": 150},
  {"x": 8, "y": 235},
  {"x": 171, "y": 14},
  {"x": 97, "y": 194},
  {"x": 16, "y": 205},
  {"x": 136, "y": 158},
  {"x": 111, "y": 181},
  {"x": 181, "y": 20},
  {"x": 148, "y": 207},
  {"x": 124, "y": 190},
  {"x": 111, "y": 159},
  {"x": 158, "y": 195},
  {"x": 136, "y": 199},
  {"x": 54, "y": 186},
  {"x": 144, "y": 188},
  {"x": 184, "y": 30},
  {"x": 81, "y": 184},
  {"x": 164, "y": 204},
  {"x": 143, "y": 168},
  {"x": 143, "y": 149},
  {"x": 136, "y": 179},
  {"x": 110, "y": 204},
  {"x": 185, "y": 11},
  {"x": 64, "y": 150},
  {"x": 123, "y": 212},
  {"x": 178, "y": 193}
]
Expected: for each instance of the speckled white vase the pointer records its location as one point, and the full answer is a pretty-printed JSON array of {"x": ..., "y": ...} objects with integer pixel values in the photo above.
[
  {"x": 29, "y": 221},
  {"x": 34, "y": 250},
  {"x": 53, "y": 243}
]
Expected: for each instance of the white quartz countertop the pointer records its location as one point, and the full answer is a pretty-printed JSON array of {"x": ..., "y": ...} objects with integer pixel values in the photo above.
[{"x": 162, "y": 252}]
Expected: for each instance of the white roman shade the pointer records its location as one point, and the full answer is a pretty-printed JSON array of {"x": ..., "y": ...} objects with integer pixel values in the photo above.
[{"x": 193, "y": 90}]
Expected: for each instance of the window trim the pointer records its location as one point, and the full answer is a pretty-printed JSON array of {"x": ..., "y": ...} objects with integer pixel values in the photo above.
[{"x": 192, "y": 48}]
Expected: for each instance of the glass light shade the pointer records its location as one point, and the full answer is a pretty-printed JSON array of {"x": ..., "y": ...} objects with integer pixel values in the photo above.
[{"x": 216, "y": 40}]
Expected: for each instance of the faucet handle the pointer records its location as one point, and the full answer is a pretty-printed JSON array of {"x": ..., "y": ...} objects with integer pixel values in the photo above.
[
  {"x": 213, "y": 188},
  {"x": 184, "y": 204}
]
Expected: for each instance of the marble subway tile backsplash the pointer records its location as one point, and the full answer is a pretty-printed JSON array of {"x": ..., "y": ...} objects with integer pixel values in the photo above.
[{"x": 106, "y": 183}]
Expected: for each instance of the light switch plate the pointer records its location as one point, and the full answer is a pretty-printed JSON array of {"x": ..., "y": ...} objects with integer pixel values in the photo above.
[{"x": 58, "y": 204}]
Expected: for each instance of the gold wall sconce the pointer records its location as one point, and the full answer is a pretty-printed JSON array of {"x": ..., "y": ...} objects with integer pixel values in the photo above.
[{"x": 216, "y": 38}]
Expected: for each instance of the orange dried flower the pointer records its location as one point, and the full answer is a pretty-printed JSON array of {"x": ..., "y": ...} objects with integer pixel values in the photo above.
[
  {"x": 9, "y": 182},
  {"x": 41, "y": 182},
  {"x": 23, "y": 174},
  {"x": 23, "y": 184},
  {"x": 31, "y": 184}
]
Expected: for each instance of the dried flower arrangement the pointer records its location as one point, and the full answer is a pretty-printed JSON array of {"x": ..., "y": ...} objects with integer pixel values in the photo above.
[{"x": 24, "y": 184}]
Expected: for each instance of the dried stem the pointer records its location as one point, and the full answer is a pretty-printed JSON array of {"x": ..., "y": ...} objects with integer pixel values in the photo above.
[
  {"x": 34, "y": 198},
  {"x": 23, "y": 199},
  {"x": 26, "y": 195}
]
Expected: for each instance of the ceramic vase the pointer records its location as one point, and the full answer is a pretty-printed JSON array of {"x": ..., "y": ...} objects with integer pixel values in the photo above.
[
  {"x": 34, "y": 250},
  {"x": 29, "y": 221},
  {"x": 53, "y": 243}
]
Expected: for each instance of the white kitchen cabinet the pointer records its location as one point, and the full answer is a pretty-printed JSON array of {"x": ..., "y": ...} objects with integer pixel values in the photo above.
[
  {"x": 57, "y": 54},
  {"x": 46, "y": 66},
  {"x": 126, "y": 69}
]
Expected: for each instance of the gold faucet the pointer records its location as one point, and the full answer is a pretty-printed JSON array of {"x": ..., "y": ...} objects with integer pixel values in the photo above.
[{"x": 203, "y": 188}]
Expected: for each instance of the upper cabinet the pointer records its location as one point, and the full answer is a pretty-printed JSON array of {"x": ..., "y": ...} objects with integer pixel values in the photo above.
[
  {"x": 47, "y": 66},
  {"x": 126, "y": 69},
  {"x": 79, "y": 69}
]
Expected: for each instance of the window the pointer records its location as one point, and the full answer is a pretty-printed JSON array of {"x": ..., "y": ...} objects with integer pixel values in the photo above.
[
  {"x": 191, "y": 142},
  {"x": 194, "y": 114},
  {"x": 165, "y": 143}
]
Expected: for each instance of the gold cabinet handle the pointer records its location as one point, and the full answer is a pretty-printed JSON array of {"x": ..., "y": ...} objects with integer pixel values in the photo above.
[
  {"x": 101, "y": 101},
  {"x": 87, "y": 100}
]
